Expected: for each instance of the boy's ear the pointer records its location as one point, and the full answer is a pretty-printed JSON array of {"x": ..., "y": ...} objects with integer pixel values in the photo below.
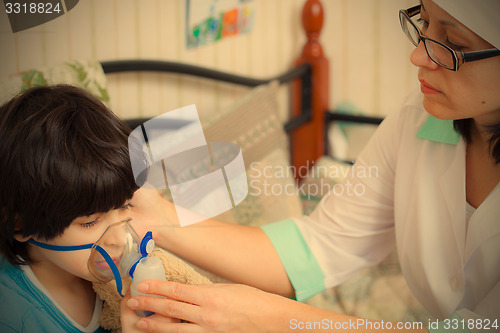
[
  {"x": 20, "y": 238},
  {"x": 18, "y": 235}
]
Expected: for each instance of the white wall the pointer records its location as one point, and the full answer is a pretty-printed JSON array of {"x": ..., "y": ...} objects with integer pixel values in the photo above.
[{"x": 368, "y": 52}]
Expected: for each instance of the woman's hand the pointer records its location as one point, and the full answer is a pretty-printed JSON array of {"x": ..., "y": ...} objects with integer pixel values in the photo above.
[
  {"x": 212, "y": 308},
  {"x": 129, "y": 318},
  {"x": 242, "y": 254},
  {"x": 151, "y": 211},
  {"x": 238, "y": 308}
]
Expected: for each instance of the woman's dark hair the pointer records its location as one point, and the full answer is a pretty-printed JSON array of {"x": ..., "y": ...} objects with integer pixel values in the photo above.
[
  {"x": 63, "y": 155},
  {"x": 464, "y": 127}
]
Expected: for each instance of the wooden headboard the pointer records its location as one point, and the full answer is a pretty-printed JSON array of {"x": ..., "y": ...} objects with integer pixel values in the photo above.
[{"x": 310, "y": 114}]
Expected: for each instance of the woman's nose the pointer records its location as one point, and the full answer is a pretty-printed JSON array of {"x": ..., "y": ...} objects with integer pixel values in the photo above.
[{"x": 420, "y": 58}]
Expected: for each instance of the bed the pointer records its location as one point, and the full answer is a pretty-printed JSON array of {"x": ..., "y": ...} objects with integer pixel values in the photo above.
[{"x": 301, "y": 144}]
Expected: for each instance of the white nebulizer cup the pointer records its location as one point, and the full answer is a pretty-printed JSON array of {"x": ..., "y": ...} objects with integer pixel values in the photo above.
[{"x": 149, "y": 268}]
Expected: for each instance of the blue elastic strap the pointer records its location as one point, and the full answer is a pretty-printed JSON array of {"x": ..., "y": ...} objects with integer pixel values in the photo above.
[
  {"x": 99, "y": 249},
  {"x": 60, "y": 247},
  {"x": 114, "y": 269}
]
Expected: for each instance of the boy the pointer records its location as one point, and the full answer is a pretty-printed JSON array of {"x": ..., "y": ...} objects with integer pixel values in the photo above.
[{"x": 65, "y": 176}]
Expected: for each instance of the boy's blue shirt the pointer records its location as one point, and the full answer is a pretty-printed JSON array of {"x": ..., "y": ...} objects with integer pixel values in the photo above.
[{"x": 24, "y": 308}]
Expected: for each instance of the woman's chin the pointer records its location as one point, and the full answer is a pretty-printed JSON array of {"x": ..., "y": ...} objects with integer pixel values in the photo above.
[{"x": 437, "y": 110}]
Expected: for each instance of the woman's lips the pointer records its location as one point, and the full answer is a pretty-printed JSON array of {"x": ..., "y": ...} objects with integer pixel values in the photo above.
[{"x": 427, "y": 88}]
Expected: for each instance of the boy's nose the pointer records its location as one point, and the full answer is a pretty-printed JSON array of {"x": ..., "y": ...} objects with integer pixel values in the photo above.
[{"x": 115, "y": 235}]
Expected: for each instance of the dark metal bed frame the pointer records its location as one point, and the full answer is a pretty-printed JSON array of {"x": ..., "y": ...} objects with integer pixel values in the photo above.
[{"x": 300, "y": 72}]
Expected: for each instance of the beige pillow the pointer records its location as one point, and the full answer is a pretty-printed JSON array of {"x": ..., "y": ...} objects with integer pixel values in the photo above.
[
  {"x": 87, "y": 74},
  {"x": 254, "y": 125}
]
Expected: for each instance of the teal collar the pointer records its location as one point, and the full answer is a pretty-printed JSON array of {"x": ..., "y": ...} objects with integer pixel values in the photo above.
[{"x": 439, "y": 130}]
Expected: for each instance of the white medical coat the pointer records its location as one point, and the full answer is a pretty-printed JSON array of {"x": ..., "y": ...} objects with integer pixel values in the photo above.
[{"x": 416, "y": 200}]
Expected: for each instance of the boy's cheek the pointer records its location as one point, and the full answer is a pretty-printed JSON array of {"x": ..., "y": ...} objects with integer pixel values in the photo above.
[{"x": 74, "y": 263}]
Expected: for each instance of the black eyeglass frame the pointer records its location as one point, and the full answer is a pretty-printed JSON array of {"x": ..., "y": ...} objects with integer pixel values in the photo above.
[{"x": 459, "y": 58}]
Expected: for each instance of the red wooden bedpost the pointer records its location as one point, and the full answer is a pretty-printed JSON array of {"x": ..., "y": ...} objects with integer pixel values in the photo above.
[{"x": 308, "y": 140}]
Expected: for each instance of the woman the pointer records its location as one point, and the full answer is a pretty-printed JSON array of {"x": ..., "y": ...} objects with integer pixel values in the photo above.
[{"x": 436, "y": 196}]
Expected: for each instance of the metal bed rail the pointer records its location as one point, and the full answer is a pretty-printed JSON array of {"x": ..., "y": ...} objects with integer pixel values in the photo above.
[{"x": 302, "y": 72}]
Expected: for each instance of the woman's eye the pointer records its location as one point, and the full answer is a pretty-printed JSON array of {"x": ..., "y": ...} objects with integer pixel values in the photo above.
[
  {"x": 422, "y": 23},
  {"x": 455, "y": 46}
]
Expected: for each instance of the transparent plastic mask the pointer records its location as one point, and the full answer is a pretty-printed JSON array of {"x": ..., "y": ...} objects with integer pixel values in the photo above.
[
  {"x": 115, "y": 254},
  {"x": 118, "y": 245}
]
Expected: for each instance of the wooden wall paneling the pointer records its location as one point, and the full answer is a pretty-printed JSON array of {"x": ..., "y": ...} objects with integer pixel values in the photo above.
[{"x": 80, "y": 25}]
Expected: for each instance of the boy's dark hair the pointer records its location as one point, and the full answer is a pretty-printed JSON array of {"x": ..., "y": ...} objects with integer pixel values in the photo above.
[
  {"x": 465, "y": 126},
  {"x": 63, "y": 155}
]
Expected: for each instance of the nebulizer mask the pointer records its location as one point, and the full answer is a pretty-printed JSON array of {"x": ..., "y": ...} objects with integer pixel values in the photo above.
[{"x": 114, "y": 255}]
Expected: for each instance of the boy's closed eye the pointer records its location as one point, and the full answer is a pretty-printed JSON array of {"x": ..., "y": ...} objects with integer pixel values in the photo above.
[
  {"x": 94, "y": 222},
  {"x": 126, "y": 206},
  {"x": 90, "y": 224}
]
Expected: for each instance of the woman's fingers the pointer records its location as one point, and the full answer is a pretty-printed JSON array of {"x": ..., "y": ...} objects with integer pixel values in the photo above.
[
  {"x": 156, "y": 325},
  {"x": 210, "y": 308},
  {"x": 181, "y": 292},
  {"x": 128, "y": 318},
  {"x": 166, "y": 307},
  {"x": 149, "y": 207}
]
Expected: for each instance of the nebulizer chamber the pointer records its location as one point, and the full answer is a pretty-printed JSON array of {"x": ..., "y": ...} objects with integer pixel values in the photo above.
[
  {"x": 149, "y": 268},
  {"x": 133, "y": 261},
  {"x": 127, "y": 253}
]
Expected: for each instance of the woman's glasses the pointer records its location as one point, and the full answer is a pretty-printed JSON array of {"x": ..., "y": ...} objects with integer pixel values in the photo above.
[{"x": 440, "y": 53}]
